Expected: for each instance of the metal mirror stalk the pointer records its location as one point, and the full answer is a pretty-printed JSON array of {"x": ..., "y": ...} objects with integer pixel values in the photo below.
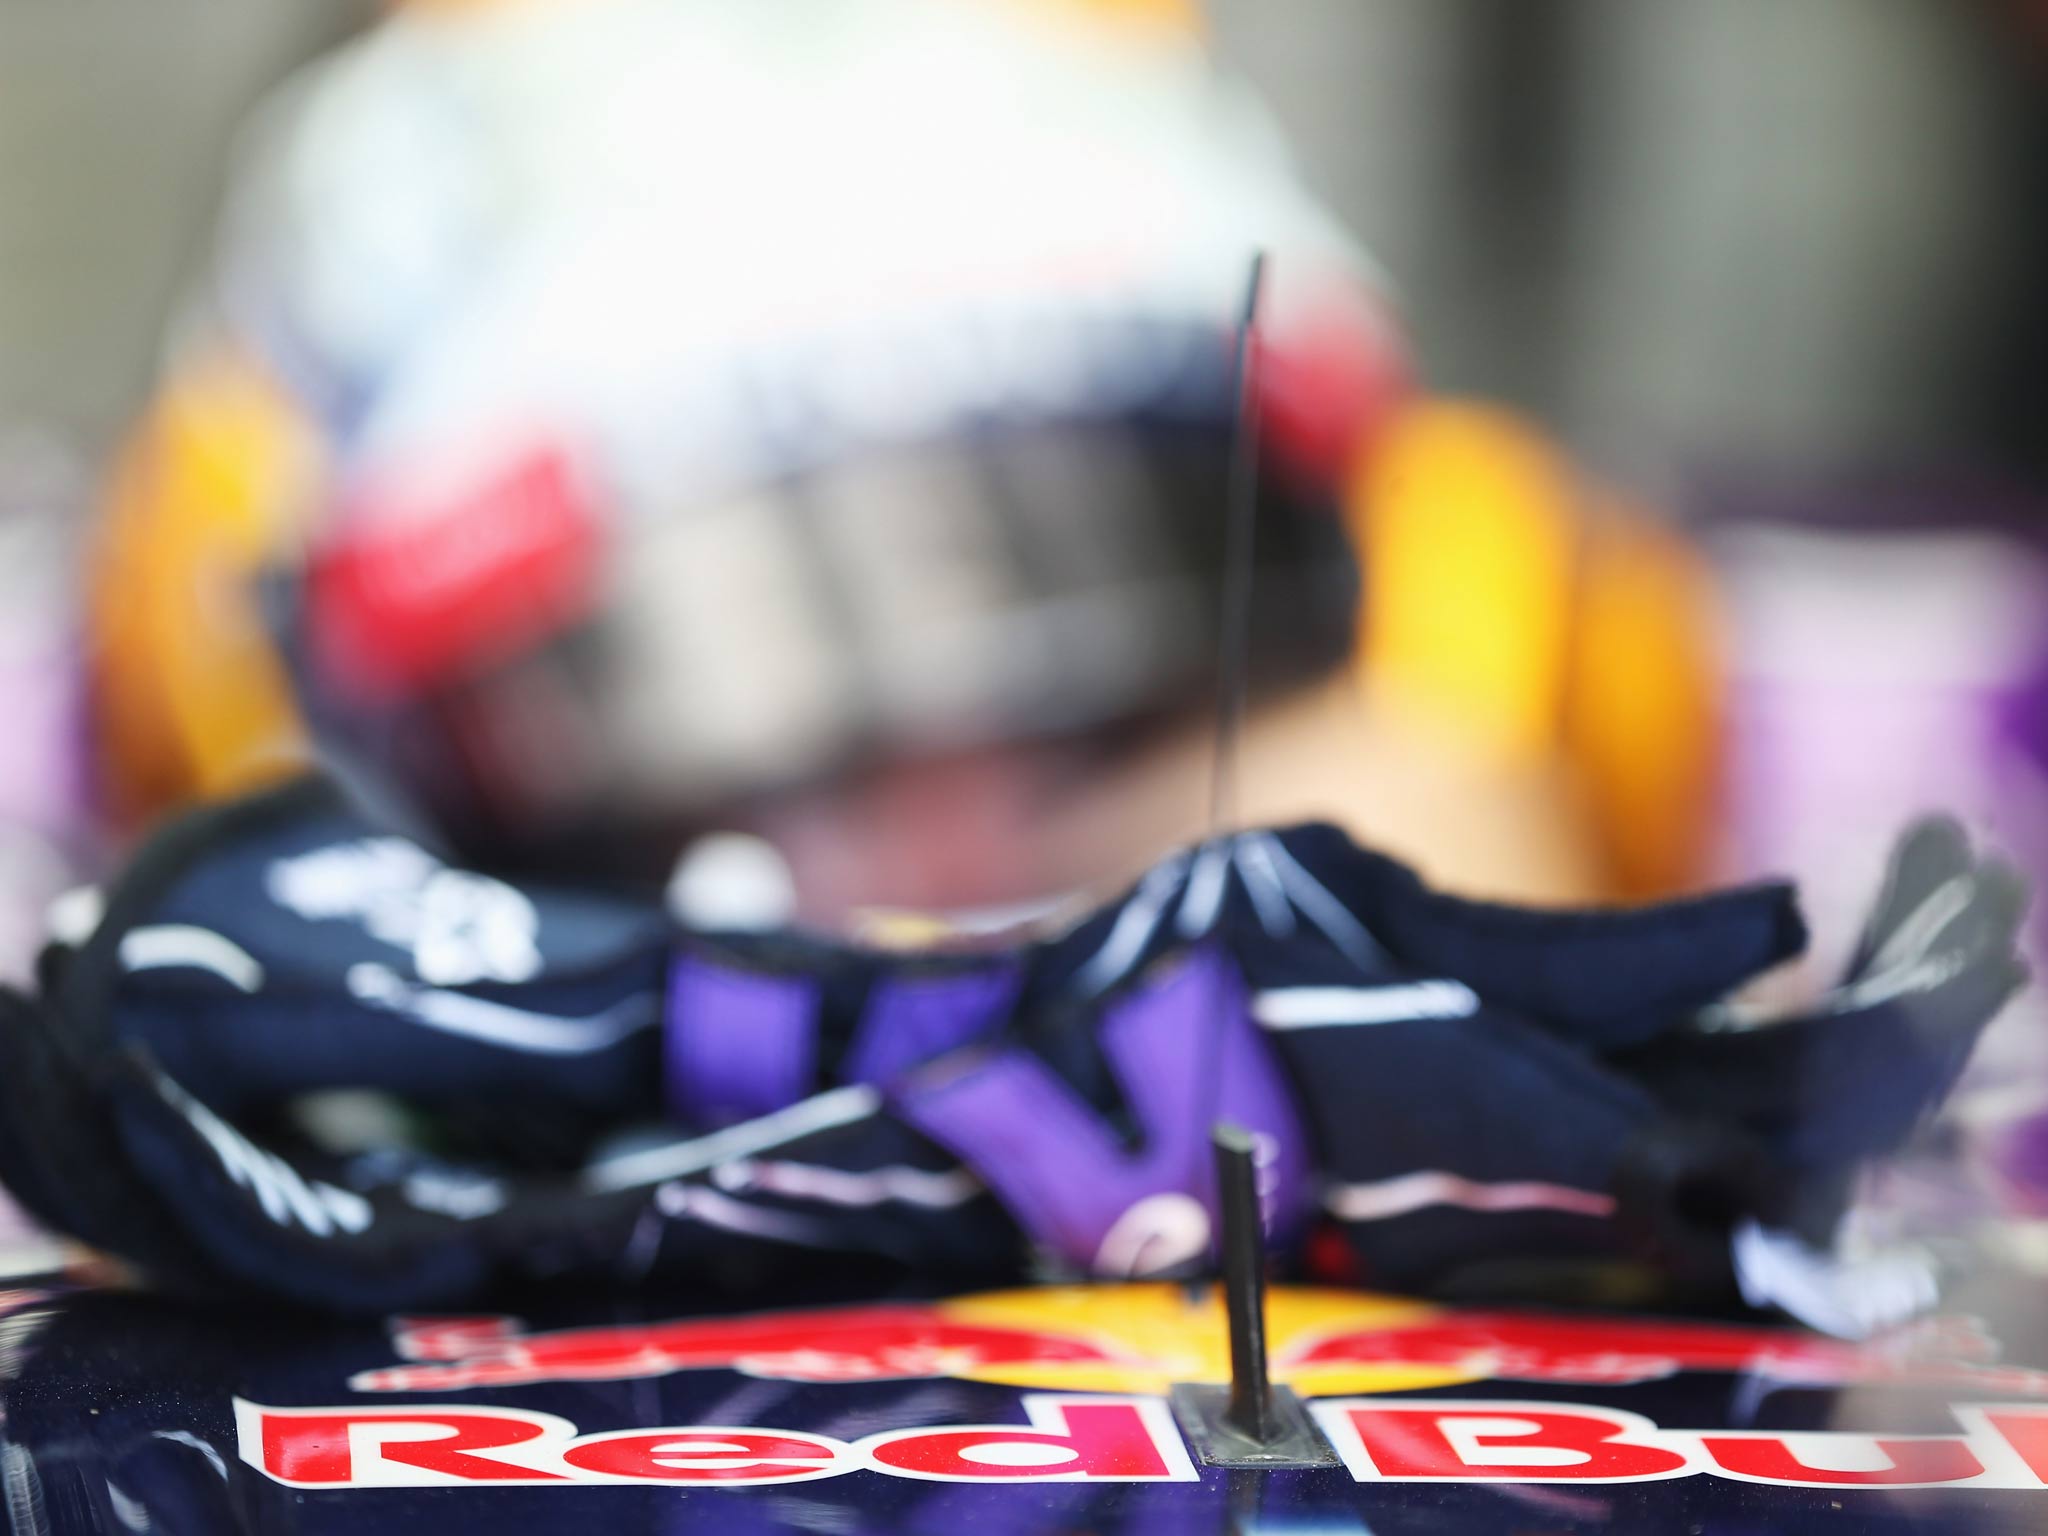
[
  {"x": 1244, "y": 1281},
  {"x": 1250, "y": 1423}
]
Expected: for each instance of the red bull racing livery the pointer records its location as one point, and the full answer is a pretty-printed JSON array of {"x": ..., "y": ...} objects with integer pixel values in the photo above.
[{"x": 1028, "y": 1411}]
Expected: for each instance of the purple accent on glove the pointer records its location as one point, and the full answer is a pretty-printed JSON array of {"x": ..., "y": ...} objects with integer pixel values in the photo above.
[
  {"x": 737, "y": 1043},
  {"x": 1186, "y": 1054},
  {"x": 910, "y": 1020}
]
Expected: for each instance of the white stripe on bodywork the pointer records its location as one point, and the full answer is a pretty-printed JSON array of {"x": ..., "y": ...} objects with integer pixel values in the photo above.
[
  {"x": 516, "y": 1029},
  {"x": 182, "y": 946},
  {"x": 1384, "y": 1198},
  {"x": 1328, "y": 1007}
]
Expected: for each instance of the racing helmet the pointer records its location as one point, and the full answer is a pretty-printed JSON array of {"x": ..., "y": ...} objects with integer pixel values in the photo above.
[
  {"x": 596, "y": 413},
  {"x": 597, "y": 417}
]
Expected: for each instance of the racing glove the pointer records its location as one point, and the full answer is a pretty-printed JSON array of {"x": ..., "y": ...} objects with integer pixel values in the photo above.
[{"x": 576, "y": 1089}]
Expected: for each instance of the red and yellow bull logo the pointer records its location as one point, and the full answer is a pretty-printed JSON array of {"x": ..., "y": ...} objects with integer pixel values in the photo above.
[
  {"x": 1099, "y": 1361},
  {"x": 1145, "y": 1338}
]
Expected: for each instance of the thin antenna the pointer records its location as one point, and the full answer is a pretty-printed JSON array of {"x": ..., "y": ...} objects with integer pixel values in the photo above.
[
  {"x": 1250, "y": 1423},
  {"x": 1240, "y": 532}
]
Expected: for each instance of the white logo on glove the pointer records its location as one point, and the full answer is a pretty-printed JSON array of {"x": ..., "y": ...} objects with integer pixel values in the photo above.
[{"x": 458, "y": 927}]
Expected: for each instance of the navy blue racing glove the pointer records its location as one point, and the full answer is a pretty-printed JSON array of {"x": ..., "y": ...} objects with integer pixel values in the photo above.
[{"x": 547, "y": 1085}]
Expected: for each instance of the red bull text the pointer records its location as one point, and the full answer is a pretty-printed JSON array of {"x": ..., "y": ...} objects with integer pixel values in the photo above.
[
  {"x": 1126, "y": 1440},
  {"x": 1099, "y": 1360}
]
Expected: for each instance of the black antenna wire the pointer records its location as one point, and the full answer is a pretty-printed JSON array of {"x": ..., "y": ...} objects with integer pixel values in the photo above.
[
  {"x": 1232, "y": 645},
  {"x": 1248, "y": 1424},
  {"x": 1240, "y": 533}
]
